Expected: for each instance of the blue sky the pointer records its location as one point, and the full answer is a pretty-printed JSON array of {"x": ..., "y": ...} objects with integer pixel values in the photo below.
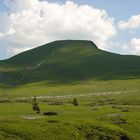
[
  {"x": 120, "y": 9},
  {"x": 120, "y": 24}
]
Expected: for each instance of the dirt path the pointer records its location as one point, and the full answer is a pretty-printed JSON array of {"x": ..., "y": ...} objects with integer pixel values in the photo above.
[
  {"x": 78, "y": 95},
  {"x": 31, "y": 67},
  {"x": 38, "y": 65},
  {"x": 22, "y": 76}
]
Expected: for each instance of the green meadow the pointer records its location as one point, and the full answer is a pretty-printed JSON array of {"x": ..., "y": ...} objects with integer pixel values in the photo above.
[{"x": 113, "y": 114}]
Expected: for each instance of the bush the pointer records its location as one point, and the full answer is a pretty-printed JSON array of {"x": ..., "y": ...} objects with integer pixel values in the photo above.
[
  {"x": 35, "y": 105},
  {"x": 50, "y": 113},
  {"x": 75, "y": 102}
]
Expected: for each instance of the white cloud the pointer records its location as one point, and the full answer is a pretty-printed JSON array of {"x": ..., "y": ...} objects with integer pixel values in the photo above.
[
  {"x": 125, "y": 49},
  {"x": 16, "y": 50},
  {"x": 132, "y": 23},
  {"x": 1, "y": 35},
  {"x": 19, "y": 5},
  {"x": 32, "y": 23},
  {"x": 133, "y": 47},
  {"x": 135, "y": 42}
]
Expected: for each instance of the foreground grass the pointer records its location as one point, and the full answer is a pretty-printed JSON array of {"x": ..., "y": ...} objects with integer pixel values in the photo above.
[
  {"x": 80, "y": 122},
  {"x": 98, "y": 117}
]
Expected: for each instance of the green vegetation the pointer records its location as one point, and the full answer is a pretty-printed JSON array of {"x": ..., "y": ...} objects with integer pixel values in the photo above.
[
  {"x": 97, "y": 116},
  {"x": 67, "y": 62},
  {"x": 106, "y": 86},
  {"x": 75, "y": 102},
  {"x": 35, "y": 105}
]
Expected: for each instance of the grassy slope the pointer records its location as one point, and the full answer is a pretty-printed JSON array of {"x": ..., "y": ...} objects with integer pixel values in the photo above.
[
  {"x": 68, "y": 61},
  {"x": 72, "y": 68}
]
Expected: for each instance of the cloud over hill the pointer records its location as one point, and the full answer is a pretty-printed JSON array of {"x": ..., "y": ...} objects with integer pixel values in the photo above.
[{"x": 31, "y": 23}]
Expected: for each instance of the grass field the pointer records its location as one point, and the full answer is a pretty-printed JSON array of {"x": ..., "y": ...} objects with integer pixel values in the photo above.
[{"x": 107, "y": 110}]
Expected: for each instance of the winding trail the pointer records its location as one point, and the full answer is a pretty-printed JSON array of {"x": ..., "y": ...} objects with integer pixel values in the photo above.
[
  {"x": 38, "y": 65},
  {"x": 29, "y": 68},
  {"x": 79, "y": 95}
]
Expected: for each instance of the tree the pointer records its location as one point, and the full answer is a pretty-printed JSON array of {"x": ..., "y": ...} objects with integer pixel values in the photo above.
[
  {"x": 35, "y": 105},
  {"x": 75, "y": 102}
]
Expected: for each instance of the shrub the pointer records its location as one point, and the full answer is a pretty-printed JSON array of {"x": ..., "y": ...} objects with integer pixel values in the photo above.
[
  {"x": 75, "y": 102},
  {"x": 50, "y": 113},
  {"x": 35, "y": 105}
]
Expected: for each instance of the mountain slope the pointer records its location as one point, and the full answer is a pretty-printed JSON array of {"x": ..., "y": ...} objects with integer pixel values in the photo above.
[{"x": 67, "y": 61}]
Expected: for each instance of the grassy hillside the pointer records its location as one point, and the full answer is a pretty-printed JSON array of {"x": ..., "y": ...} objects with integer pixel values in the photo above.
[
  {"x": 105, "y": 84},
  {"x": 67, "y": 61}
]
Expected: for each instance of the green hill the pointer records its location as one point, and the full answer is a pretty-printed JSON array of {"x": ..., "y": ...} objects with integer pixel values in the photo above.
[{"x": 68, "y": 61}]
